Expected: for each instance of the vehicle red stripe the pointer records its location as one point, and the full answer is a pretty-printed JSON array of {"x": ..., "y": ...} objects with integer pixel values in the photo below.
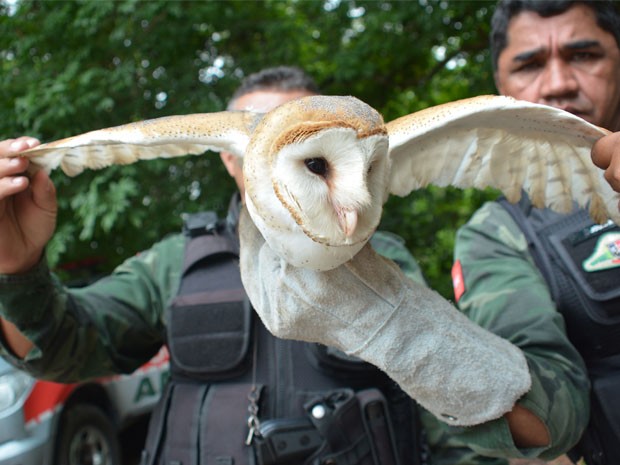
[{"x": 45, "y": 397}]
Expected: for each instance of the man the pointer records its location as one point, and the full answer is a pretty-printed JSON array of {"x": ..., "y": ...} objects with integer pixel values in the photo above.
[
  {"x": 237, "y": 394},
  {"x": 526, "y": 274}
]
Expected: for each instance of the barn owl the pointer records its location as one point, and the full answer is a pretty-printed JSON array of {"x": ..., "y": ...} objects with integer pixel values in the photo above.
[{"x": 318, "y": 170}]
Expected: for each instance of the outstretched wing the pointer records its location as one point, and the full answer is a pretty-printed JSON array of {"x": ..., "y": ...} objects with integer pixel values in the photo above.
[
  {"x": 165, "y": 137},
  {"x": 508, "y": 144}
]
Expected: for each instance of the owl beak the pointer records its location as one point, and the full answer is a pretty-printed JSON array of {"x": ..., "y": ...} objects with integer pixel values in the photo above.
[{"x": 347, "y": 220}]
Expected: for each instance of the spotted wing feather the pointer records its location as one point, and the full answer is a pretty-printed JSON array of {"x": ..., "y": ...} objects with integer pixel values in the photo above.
[{"x": 165, "y": 137}]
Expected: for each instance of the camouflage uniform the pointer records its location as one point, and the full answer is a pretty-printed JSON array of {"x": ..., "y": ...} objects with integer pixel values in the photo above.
[{"x": 501, "y": 289}]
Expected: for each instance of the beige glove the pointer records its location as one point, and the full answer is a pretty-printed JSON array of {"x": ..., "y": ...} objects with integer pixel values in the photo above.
[{"x": 460, "y": 372}]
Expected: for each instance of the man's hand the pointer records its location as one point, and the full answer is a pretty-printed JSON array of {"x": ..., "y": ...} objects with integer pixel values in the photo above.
[
  {"x": 606, "y": 155},
  {"x": 28, "y": 209}
]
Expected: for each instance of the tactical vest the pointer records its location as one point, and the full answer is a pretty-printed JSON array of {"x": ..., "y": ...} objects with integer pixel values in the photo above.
[
  {"x": 580, "y": 263},
  {"x": 239, "y": 396}
]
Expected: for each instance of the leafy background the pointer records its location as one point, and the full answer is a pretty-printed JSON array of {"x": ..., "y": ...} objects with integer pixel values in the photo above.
[{"x": 73, "y": 66}]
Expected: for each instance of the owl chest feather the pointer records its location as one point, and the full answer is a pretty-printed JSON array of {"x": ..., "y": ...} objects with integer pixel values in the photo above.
[{"x": 289, "y": 241}]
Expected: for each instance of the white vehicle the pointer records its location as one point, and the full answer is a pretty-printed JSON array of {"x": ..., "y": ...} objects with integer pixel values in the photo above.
[{"x": 45, "y": 423}]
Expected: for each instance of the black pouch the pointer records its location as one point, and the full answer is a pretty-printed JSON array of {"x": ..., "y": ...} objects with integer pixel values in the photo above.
[
  {"x": 286, "y": 441},
  {"x": 210, "y": 340},
  {"x": 356, "y": 428},
  {"x": 209, "y": 321}
]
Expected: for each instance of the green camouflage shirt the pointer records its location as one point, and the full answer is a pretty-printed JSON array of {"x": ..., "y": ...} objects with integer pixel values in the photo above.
[{"x": 502, "y": 290}]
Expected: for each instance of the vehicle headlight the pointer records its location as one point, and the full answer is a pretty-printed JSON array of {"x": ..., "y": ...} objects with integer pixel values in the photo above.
[{"x": 13, "y": 386}]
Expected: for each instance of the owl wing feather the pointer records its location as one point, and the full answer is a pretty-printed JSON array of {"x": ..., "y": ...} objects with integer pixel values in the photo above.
[
  {"x": 503, "y": 143},
  {"x": 166, "y": 137},
  {"x": 486, "y": 141}
]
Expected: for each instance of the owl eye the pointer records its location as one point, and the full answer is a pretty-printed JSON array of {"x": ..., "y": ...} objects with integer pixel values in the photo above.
[{"x": 316, "y": 165}]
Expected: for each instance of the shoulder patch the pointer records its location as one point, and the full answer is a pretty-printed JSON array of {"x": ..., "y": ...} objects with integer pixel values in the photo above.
[
  {"x": 458, "y": 284},
  {"x": 606, "y": 254}
]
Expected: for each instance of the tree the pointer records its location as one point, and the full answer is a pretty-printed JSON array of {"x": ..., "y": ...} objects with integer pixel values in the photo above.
[{"x": 69, "y": 67}]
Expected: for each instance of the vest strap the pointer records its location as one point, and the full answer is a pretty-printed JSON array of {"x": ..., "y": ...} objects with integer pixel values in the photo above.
[
  {"x": 224, "y": 426},
  {"x": 209, "y": 321}
]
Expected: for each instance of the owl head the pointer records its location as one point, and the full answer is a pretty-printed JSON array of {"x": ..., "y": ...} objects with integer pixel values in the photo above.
[{"x": 320, "y": 166}]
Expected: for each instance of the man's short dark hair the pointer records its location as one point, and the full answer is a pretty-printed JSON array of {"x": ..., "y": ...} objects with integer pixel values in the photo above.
[
  {"x": 278, "y": 78},
  {"x": 607, "y": 18}
]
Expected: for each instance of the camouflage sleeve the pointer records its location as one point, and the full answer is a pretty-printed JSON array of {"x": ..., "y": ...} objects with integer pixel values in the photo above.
[
  {"x": 112, "y": 326},
  {"x": 393, "y": 247},
  {"x": 498, "y": 286}
]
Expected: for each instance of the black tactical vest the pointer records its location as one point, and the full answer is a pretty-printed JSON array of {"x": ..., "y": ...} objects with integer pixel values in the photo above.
[
  {"x": 239, "y": 396},
  {"x": 580, "y": 262}
]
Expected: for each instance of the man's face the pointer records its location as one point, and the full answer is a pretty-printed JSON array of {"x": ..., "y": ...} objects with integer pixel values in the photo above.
[
  {"x": 565, "y": 61},
  {"x": 260, "y": 101}
]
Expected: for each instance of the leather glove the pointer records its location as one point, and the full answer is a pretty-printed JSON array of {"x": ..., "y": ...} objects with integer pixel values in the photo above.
[{"x": 368, "y": 308}]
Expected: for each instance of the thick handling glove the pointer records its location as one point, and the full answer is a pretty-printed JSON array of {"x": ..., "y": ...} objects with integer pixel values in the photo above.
[{"x": 460, "y": 372}]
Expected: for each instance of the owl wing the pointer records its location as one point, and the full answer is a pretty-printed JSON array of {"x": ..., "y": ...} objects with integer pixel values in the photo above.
[
  {"x": 165, "y": 137},
  {"x": 507, "y": 144}
]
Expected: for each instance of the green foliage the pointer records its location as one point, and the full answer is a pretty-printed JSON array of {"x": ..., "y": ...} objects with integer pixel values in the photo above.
[{"x": 73, "y": 66}]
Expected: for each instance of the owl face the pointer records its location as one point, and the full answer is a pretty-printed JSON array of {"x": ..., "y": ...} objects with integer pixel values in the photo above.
[
  {"x": 334, "y": 184},
  {"x": 325, "y": 178}
]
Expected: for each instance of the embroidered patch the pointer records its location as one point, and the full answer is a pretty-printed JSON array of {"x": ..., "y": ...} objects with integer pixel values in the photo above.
[
  {"x": 457, "y": 280},
  {"x": 606, "y": 254}
]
